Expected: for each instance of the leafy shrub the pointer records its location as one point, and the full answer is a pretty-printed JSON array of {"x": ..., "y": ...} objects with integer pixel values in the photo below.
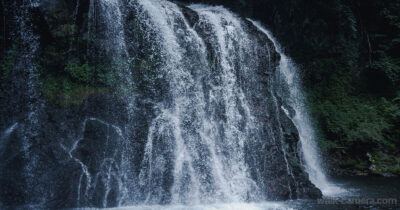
[
  {"x": 62, "y": 92},
  {"x": 81, "y": 72}
]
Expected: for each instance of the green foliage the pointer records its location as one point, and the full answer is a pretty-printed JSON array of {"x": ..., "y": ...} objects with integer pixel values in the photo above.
[
  {"x": 62, "y": 92},
  {"x": 351, "y": 65},
  {"x": 394, "y": 169},
  {"x": 356, "y": 123},
  {"x": 70, "y": 87},
  {"x": 384, "y": 163},
  {"x": 107, "y": 78},
  {"x": 389, "y": 66},
  {"x": 70, "y": 73},
  {"x": 353, "y": 121},
  {"x": 64, "y": 30},
  {"x": 7, "y": 62},
  {"x": 82, "y": 73}
]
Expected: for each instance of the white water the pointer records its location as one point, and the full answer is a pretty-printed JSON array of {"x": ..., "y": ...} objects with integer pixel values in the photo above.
[
  {"x": 229, "y": 176},
  {"x": 26, "y": 65},
  {"x": 196, "y": 143},
  {"x": 215, "y": 139},
  {"x": 106, "y": 173},
  {"x": 225, "y": 206},
  {"x": 8, "y": 131},
  {"x": 4, "y": 137},
  {"x": 288, "y": 71}
]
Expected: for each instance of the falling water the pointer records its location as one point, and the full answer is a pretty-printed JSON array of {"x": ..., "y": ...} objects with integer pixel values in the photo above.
[
  {"x": 193, "y": 171},
  {"x": 27, "y": 63},
  {"x": 108, "y": 172},
  {"x": 199, "y": 121},
  {"x": 8, "y": 131},
  {"x": 289, "y": 74},
  {"x": 4, "y": 137},
  {"x": 27, "y": 107},
  {"x": 201, "y": 145},
  {"x": 91, "y": 24},
  {"x": 218, "y": 206}
]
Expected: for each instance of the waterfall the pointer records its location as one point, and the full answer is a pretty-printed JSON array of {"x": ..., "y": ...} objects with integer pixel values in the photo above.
[
  {"x": 288, "y": 74},
  {"x": 26, "y": 107},
  {"x": 186, "y": 120},
  {"x": 27, "y": 65},
  {"x": 195, "y": 118}
]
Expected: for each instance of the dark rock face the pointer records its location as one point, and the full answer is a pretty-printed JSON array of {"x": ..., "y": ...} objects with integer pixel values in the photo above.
[
  {"x": 50, "y": 169},
  {"x": 305, "y": 189},
  {"x": 93, "y": 155}
]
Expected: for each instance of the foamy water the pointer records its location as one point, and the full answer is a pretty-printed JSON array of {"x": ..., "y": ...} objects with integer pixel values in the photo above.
[
  {"x": 296, "y": 100},
  {"x": 222, "y": 206}
]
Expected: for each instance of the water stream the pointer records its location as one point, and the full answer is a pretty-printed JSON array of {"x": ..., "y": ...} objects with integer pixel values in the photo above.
[{"x": 207, "y": 113}]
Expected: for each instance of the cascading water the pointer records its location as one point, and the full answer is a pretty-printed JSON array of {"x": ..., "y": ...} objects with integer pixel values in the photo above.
[
  {"x": 196, "y": 118},
  {"x": 27, "y": 109},
  {"x": 291, "y": 90},
  {"x": 200, "y": 172},
  {"x": 27, "y": 64},
  {"x": 4, "y": 137}
]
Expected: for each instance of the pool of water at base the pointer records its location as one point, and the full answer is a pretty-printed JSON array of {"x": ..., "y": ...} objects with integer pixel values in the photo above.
[{"x": 372, "y": 193}]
